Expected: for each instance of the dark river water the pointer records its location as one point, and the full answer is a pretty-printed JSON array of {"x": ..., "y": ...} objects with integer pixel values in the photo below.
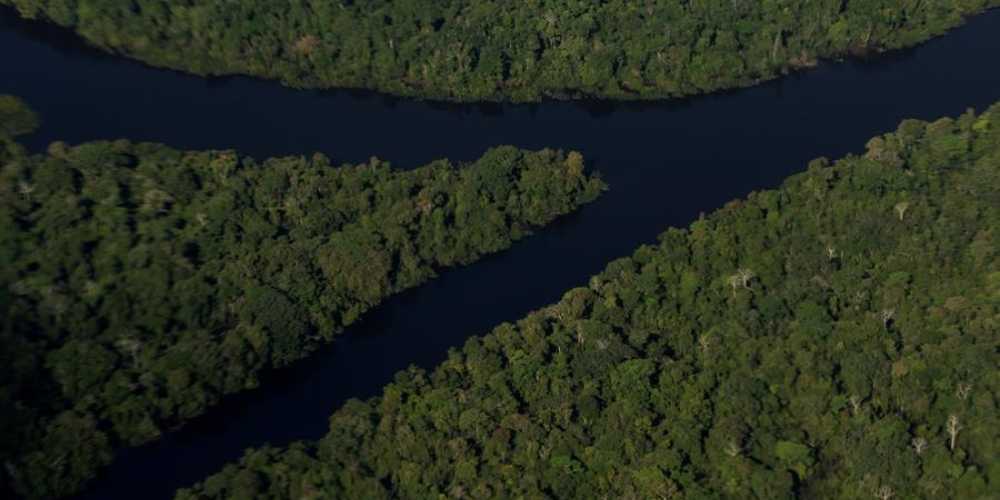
[{"x": 665, "y": 163}]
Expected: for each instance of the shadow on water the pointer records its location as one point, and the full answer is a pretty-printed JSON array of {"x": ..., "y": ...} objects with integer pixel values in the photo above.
[{"x": 665, "y": 161}]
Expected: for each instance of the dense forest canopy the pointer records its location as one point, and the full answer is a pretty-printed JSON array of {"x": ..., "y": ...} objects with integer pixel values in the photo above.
[
  {"x": 140, "y": 283},
  {"x": 835, "y": 338},
  {"x": 16, "y": 118},
  {"x": 469, "y": 50}
]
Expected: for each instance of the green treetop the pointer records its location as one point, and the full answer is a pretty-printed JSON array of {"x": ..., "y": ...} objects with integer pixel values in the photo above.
[{"x": 472, "y": 50}]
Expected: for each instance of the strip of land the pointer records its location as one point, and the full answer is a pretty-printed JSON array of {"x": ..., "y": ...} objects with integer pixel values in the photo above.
[
  {"x": 141, "y": 284},
  {"x": 472, "y": 50}
]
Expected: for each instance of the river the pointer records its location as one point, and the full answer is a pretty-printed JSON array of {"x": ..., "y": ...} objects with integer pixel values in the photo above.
[{"x": 666, "y": 162}]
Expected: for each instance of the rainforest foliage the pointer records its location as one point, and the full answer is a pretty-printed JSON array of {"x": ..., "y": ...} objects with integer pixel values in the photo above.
[
  {"x": 521, "y": 50},
  {"x": 835, "y": 338},
  {"x": 140, "y": 283}
]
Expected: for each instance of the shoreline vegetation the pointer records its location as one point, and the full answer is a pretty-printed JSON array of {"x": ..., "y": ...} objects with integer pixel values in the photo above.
[
  {"x": 832, "y": 338},
  {"x": 468, "y": 51},
  {"x": 142, "y": 284}
]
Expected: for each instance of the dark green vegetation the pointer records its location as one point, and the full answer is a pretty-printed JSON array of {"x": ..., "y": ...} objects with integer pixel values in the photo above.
[
  {"x": 521, "y": 50},
  {"x": 15, "y": 117},
  {"x": 140, "y": 284},
  {"x": 835, "y": 338}
]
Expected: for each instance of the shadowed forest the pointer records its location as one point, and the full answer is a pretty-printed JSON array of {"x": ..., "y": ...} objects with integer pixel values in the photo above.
[{"x": 471, "y": 50}]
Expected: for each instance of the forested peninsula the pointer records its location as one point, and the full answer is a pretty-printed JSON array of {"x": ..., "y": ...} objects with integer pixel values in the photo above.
[
  {"x": 140, "y": 284},
  {"x": 835, "y": 338},
  {"x": 474, "y": 50}
]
